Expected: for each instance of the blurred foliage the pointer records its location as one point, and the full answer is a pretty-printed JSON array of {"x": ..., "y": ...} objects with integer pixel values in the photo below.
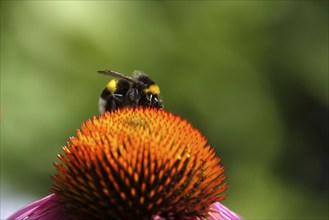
[{"x": 251, "y": 75}]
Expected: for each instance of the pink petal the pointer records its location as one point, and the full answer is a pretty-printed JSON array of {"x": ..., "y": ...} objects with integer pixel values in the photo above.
[
  {"x": 47, "y": 208},
  {"x": 221, "y": 212},
  {"x": 52, "y": 208}
]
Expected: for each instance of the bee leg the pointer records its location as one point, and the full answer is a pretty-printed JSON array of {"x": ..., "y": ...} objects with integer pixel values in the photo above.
[
  {"x": 113, "y": 102},
  {"x": 134, "y": 95},
  {"x": 156, "y": 103},
  {"x": 149, "y": 97},
  {"x": 110, "y": 103},
  {"x": 149, "y": 100}
]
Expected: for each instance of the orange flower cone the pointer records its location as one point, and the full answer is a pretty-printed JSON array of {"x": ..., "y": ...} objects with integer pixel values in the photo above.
[{"x": 137, "y": 164}]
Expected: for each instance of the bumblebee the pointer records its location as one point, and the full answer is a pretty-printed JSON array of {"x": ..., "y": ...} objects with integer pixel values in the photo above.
[{"x": 124, "y": 91}]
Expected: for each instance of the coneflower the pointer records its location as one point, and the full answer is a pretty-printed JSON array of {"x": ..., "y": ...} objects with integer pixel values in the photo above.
[{"x": 135, "y": 164}]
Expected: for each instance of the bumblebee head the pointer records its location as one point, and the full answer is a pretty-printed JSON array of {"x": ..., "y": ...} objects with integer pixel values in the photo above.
[{"x": 149, "y": 86}]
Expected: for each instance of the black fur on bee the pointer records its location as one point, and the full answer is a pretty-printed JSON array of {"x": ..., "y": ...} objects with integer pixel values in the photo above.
[{"x": 125, "y": 91}]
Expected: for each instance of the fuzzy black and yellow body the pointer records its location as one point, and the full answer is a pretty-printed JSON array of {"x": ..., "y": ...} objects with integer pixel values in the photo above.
[{"x": 123, "y": 91}]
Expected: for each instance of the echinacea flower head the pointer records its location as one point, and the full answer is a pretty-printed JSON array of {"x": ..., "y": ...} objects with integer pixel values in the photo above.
[{"x": 138, "y": 163}]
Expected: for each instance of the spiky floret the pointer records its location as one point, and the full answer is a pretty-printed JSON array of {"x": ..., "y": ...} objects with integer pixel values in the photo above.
[{"x": 138, "y": 163}]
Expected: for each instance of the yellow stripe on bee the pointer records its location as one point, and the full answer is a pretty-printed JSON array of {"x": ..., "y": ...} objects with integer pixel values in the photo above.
[
  {"x": 112, "y": 85},
  {"x": 153, "y": 89}
]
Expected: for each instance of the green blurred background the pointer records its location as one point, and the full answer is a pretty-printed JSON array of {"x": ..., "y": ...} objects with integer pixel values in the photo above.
[{"x": 251, "y": 75}]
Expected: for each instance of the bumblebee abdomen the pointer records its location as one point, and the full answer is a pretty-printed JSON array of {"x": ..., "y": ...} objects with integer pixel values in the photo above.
[{"x": 122, "y": 86}]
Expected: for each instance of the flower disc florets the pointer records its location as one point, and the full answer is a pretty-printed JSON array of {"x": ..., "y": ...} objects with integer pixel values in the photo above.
[{"x": 136, "y": 164}]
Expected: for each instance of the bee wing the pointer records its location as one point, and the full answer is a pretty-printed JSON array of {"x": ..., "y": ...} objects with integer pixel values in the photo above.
[{"x": 117, "y": 75}]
